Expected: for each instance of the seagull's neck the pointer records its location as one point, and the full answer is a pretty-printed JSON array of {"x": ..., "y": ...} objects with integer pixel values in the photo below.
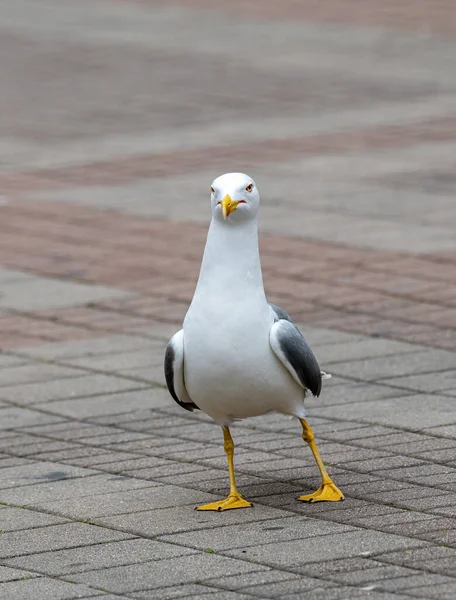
[{"x": 231, "y": 261}]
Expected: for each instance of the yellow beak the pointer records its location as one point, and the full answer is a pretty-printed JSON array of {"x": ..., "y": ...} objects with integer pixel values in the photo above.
[{"x": 228, "y": 206}]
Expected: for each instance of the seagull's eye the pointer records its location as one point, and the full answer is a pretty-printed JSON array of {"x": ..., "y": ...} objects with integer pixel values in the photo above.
[
  {"x": 249, "y": 188},
  {"x": 212, "y": 190}
]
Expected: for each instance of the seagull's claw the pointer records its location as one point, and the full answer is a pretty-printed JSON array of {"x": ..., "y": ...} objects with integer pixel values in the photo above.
[
  {"x": 328, "y": 492},
  {"x": 233, "y": 501}
]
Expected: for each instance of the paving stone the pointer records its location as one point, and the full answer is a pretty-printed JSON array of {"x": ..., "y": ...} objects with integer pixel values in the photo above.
[
  {"x": 99, "y": 556},
  {"x": 406, "y": 411},
  {"x": 184, "y": 518},
  {"x": 42, "y": 587},
  {"x": 111, "y": 344},
  {"x": 55, "y": 537},
  {"x": 70, "y": 387},
  {"x": 22, "y": 374},
  {"x": 180, "y": 570},
  {"x": 286, "y": 588},
  {"x": 440, "y": 536},
  {"x": 188, "y": 590},
  {"x": 9, "y": 574},
  {"x": 390, "y": 366},
  {"x": 13, "y": 461},
  {"x": 433, "y": 557},
  {"x": 20, "y": 417},
  {"x": 404, "y": 523},
  {"x": 255, "y": 534},
  {"x": 264, "y": 575},
  {"x": 40, "y": 493},
  {"x": 38, "y": 472},
  {"x": 16, "y": 519},
  {"x": 368, "y": 576},
  {"x": 332, "y": 568},
  {"x": 417, "y": 580},
  {"x": 444, "y": 591},
  {"x": 95, "y": 406},
  {"x": 124, "y": 502},
  {"x": 333, "y": 546},
  {"x": 342, "y": 593}
]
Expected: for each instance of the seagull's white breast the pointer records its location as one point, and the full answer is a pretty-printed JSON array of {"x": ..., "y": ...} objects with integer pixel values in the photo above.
[{"x": 231, "y": 371}]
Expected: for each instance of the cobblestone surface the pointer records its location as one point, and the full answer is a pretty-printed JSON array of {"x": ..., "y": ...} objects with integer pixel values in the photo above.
[{"x": 115, "y": 115}]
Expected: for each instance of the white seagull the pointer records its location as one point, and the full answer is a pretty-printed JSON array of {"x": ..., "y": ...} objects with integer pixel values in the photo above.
[{"x": 238, "y": 356}]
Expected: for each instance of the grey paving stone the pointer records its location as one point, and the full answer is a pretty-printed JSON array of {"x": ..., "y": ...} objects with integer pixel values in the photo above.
[
  {"x": 111, "y": 344},
  {"x": 411, "y": 581},
  {"x": 440, "y": 536},
  {"x": 332, "y": 568},
  {"x": 16, "y": 519},
  {"x": 99, "y": 556},
  {"x": 184, "y": 518},
  {"x": 103, "y": 460},
  {"x": 20, "y": 417},
  {"x": 432, "y": 557},
  {"x": 9, "y": 574},
  {"x": 415, "y": 412},
  {"x": 255, "y": 534},
  {"x": 42, "y": 587},
  {"x": 180, "y": 570},
  {"x": 43, "y": 447},
  {"x": 115, "y": 362},
  {"x": 23, "y": 374},
  {"x": 421, "y": 447},
  {"x": 13, "y": 461},
  {"x": 426, "y": 472},
  {"x": 345, "y": 593},
  {"x": 68, "y": 430},
  {"x": 432, "y": 502},
  {"x": 362, "y": 349},
  {"x": 337, "y": 545},
  {"x": 71, "y": 387},
  {"x": 9, "y": 360},
  {"x": 364, "y": 577},
  {"x": 445, "y": 591},
  {"x": 221, "y": 595},
  {"x": 188, "y": 590},
  {"x": 117, "y": 403},
  {"x": 37, "y": 293},
  {"x": 385, "y": 462},
  {"x": 80, "y": 487},
  {"x": 286, "y": 588},
  {"x": 441, "y": 456},
  {"x": 391, "y": 366},
  {"x": 264, "y": 575},
  {"x": 404, "y": 522},
  {"x": 428, "y": 382},
  {"x": 448, "y": 431},
  {"x": 124, "y": 502},
  {"x": 56, "y": 537},
  {"x": 38, "y": 472}
]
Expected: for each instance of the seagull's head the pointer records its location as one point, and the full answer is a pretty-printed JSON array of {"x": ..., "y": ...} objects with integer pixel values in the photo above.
[{"x": 234, "y": 198}]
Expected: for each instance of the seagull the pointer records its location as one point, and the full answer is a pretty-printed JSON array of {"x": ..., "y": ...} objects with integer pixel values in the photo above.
[{"x": 238, "y": 356}]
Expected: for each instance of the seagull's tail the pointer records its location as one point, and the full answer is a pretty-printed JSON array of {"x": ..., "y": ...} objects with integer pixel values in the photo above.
[{"x": 325, "y": 375}]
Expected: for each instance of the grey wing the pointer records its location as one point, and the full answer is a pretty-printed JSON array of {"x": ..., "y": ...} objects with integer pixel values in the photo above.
[
  {"x": 174, "y": 371},
  {"x": 280, "y": 313},
  {"x": 294, "y": 352}
]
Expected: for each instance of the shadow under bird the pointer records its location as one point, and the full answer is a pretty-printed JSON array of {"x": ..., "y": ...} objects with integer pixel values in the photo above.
[{"x": 238, "y": 356}]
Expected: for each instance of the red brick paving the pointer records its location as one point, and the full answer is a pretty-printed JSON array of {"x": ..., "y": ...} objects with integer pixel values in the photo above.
[
  {"x": 427, "y": 16},
  {"x": 351, "y": 289}
]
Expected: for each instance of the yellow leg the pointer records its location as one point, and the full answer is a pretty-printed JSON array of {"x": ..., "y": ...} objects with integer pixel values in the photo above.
[
  {"x": 328, "y": 490},
  {"x": 234, "y": 500}
]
